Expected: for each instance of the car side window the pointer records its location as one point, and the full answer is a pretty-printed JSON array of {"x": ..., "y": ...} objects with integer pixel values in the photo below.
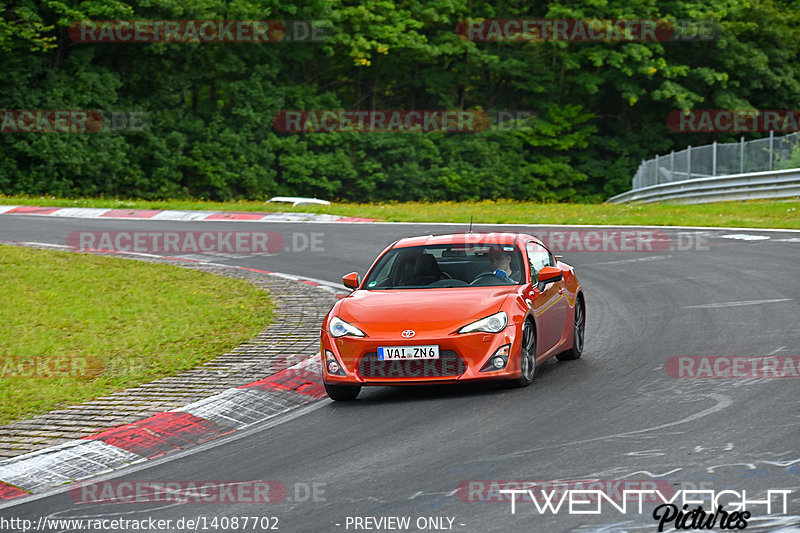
[{"x": 538, "y": 258}]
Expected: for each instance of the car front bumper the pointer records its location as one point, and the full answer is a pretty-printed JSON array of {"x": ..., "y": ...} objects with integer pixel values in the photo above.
[{"x": 461, "y": 357}]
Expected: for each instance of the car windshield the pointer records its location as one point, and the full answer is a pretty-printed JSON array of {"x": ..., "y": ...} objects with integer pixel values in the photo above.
[{"x": 447, "y": 266}]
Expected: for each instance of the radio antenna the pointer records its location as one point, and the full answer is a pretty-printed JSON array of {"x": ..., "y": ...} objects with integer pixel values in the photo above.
[{"x": 470, "y": 224}]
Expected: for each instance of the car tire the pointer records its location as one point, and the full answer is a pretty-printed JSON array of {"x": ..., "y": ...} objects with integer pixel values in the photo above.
[
  {"x": 527, "y": 357},
  {"x": 342, "y": 393},
  {"x": 578, "y": 335}
]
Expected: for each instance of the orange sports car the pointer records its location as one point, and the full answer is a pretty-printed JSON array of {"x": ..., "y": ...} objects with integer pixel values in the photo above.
[{"x": 453, "y": 308}]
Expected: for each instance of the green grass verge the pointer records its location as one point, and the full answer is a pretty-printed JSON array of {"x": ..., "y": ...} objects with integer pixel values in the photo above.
[
  {"x": 755, "y": 213},
  {"x": 121, "y": 323}
]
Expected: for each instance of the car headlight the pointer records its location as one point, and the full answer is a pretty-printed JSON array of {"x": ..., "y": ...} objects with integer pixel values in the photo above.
[
  {"x": 491, "y": 324},
  {"x": 340, "y": 328}
]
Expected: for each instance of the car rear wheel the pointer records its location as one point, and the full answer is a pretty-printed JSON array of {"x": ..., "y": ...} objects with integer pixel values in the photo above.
[
  {"x": 342, "y": 393},
  {"x": 577, "y": 342},
  {"x": 527, "y": 357}
]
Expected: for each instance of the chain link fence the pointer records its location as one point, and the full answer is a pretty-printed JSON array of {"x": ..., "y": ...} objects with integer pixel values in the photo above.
[{"x": 721, "y": 159}]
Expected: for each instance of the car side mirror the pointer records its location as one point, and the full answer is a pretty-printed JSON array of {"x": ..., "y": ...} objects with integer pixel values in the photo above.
[
  {"x": 550, "y": 274},
  {"x": 350, "y": 280}
]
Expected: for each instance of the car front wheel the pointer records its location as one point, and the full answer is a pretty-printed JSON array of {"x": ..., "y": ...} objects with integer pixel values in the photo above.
[
  {"x": 342, "y": 393},
  {"x": 577, "y": 340},
  {"x": 527, "y": 357}
]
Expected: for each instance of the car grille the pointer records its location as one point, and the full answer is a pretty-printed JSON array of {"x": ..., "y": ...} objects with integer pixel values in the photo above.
[{"x": 448, "y": 364}]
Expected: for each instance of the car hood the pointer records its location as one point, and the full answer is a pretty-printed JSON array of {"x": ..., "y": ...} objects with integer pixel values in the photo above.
[{"x": 439, "y": 306}]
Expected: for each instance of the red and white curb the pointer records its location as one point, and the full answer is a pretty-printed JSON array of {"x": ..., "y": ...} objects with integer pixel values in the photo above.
[
  {"x": 217, "y": 216},
  {"x": 172, "y": 215},
  {"x": 169, "y": 431},
  {"x": 163, "y": 433}
]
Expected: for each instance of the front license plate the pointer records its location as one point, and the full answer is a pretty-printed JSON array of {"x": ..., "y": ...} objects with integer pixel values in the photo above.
[{"x": 387, "y": 353}]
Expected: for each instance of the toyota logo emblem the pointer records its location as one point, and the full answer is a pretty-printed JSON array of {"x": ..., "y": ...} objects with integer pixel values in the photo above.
[{"x": 408, "y": 333}]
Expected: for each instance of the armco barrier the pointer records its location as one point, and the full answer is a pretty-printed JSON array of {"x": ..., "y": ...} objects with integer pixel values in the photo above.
[{"x": 749, "y": 186}]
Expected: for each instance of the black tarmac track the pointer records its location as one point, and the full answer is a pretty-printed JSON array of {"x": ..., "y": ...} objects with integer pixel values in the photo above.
[{"x": 614, "y": 415}]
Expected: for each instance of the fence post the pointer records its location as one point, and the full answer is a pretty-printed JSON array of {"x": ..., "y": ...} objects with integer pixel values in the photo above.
[
  {"x": 640, "y": 174},
  {"x": 658, "y": 176},
  {"x": 741, "y": 155},
  {"x": 672, "y": 166},
  {"x": 714, "y": 158},
  {"x": 771, "y": 141},
  {"x": 643, "y": 175},
  {"x": 689, "y": 162}
]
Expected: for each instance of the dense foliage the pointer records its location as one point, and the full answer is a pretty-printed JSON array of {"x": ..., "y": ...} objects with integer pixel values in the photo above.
[{"x": 601, "y": 107}]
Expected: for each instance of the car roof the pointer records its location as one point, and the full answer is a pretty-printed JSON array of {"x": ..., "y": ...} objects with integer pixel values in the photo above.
[{"x": 475, "y": 238}]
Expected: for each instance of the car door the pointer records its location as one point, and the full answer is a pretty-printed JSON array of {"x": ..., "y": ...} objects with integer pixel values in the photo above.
[{"x": 547, "y": 300}]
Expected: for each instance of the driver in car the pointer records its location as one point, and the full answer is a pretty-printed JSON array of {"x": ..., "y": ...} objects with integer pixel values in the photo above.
[{"x": 501, "y": 264}]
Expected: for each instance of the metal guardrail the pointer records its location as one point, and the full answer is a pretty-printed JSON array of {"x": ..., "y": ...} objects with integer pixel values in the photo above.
[
  {"x": 760, "y": 168},
  {"x": 748, "y": 186},
  {"x": 720, "y": 159}
]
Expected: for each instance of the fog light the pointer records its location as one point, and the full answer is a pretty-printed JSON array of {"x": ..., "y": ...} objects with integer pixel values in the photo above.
[
  {"x": 332, "y": 364},
  {"x": 499, "y": 360}
]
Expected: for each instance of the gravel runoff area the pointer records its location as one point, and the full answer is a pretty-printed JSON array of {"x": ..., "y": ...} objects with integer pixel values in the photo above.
[{"x": 292, "y": 336}]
